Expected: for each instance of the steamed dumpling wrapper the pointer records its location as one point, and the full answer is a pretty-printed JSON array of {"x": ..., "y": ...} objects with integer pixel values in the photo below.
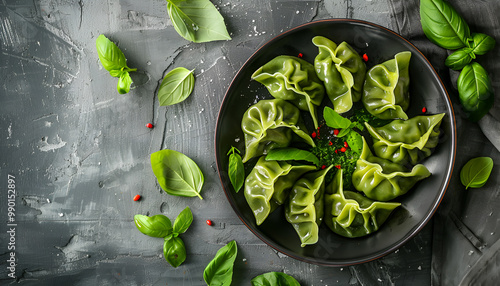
[
  {"x": 410, "y": 141},
  {"x": 350, "y": 214},
  {"x": 270, "y": 124},
  {"x": 383, "y": 180},
  {"x": 292, "y": 79},
  {"x": 268, "y": 185},
  {"x": 342, "y": 70},
  {"x": 304, "y": 209},
  {"x": 385, "y": 92}
]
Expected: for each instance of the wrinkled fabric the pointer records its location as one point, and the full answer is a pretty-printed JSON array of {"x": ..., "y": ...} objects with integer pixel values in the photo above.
[{"x": 466, "y": 236}]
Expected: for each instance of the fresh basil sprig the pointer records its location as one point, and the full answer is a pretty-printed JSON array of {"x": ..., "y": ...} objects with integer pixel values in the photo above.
[
  {"x": 161, "y": 226},
  {"x": 443, "y": 25},
  {"x": 220, "y": 270},
  {"x": 476, "y": 172},
  {"x": 236, "y": 169},
  {"x": 176, "y": 86},
  {"x": 295, "y": 154},
  {"x": 114, "y": 61},
  {"x": 273, "y": 279},
  {"x": 475, "y": 91},
  {"x": 197, "y": 20},
  {"x": 177, "y": 174}
]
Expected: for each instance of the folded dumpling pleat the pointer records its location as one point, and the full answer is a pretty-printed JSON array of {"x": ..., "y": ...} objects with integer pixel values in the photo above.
[
  {"x": 385, "y": 92},
  {"x": 268, "y": 185},
  {"x": 350, "y": 214},
  {"x": 383, "y": 180},
  {"x": 407, "y": 141},
  {"x": 270, "y": 124},
  {"x": 304, "y": 209},
  {"x": 342, "y": 70},
  {"x": 293, "y": 79}
]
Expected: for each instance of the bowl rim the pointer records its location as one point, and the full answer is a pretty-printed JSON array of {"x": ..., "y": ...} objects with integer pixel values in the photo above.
[{"x": 448, "y": 171}]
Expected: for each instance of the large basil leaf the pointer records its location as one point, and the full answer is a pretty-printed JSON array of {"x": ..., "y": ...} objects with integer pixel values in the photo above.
[
  {"x": 177, "y": 174},
  {"x": 110, "y": 55},
  {"x": 274, "y": 279},
  {"x": 335, "y": 120},
  {"x": 295, "y": 154},
  {"x": 476, "y": 172},
  {"x": 183, "y": 221},
  {"x": 236, "y": 169},
  {"x": 176, "y": 86},
  {"x": 220, "y": 270},
  {"x": 155, "y": 226},
  {"x": 475, "y": 91},
  {"x": 174, "y": 251},
  {"x": 459, "y": 59},
  {"x": 482, "y": 43},
  {"x": 443, "y": 25},
  {"x": 197, "y": 20}
]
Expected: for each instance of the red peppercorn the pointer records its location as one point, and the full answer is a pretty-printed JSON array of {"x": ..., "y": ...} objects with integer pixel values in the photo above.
[
  {"x": 209, "y": 222},
  {"x": 338, "y": 167},
  {"x": 336, "y": 151},
  {"x": 300, "y": 55},
  {"x": 323, "y": 167},
  {"x": 336, "y": 132},
  {"x": 313, "y": 135},
  {"x": 343, "y": 149},
  {"x": 330, "y": 143},
  {"x": 137, "y": 197},
  {"x": 365, "y": 57},
  {"x": 345, "y": 144},
  {"x": 149, "y": 125},
  {"x": 424, "y": 110}
]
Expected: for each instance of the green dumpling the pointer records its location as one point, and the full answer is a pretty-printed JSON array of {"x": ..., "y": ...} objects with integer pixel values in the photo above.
[
  {"x": 385, "y": 92},
  {"x": 270, "y": 124},
  {"x": 304, "y": 209},
  {"x": 350, "y": 214},
  {"x": 342, "y": 70},
  {"x": 292, "y": 79},
  {"x": 383, "y": 180},
  {"x": 403, "y": 141},
  {"x": 268, "y": 185}
]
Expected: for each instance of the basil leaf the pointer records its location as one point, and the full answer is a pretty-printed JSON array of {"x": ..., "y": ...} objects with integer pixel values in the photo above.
[
  {"x": 183, "y": 221},
  {"x": 476, "y": 172},
  {"x": 274, "y": 279},
  {"x": 110, "y": 55},
  {"x": 335, "y": 120},
  {"x": 343, "y": 132},
  {"x": 177, "y": 174},
  {"x": 155, "y": 226},
  {"x": 174, "y": 251},
  {"x": 482, "y": 43},
  {"x": 292, "y": 154},
  {"x": 176, "y": 86},
  {"x": 443, "y": 25},
  {"x": 236, "y": 169},
  {"x": 116, "y": 73},
  {"x": 355, "y": 141},
  {"x": 124, "y": 83},
  {"x": 197, "y": 20},
  {"x": 475, "y": 91},
  {"x": 459, "y": 59},
  {"x": 220, "y": 270}
]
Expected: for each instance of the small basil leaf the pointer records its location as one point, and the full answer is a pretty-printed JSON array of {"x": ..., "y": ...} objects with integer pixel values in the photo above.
[
  {"x": 274, "y": 279},
  {"x": 443, "y": 25},
  {"x": 116, "y": 73},
  {"x": 236, "y": 169},
  {"x": 220, "y": 270},
  {"x": 335, "y": 120},
  {"x": 482, "y": 43},
  {"x": 174, "y": 251},
  {"x": 110, "y": 55},
  {"x": 355, "y": 141},
  {"x": 176, "y": 86},
  {"x": 197, "y": 20},
  {"x": 475, "y": 91},
  {"x": 155, "y": 226},
  {"x": 343, "y": 132},
  {"x": 183, "y": 221},
  {"x": 177, "y": 174},
  {"x": 459, "y": 59},
  {"x": 124, "y": 83},
  {"x": 476, "y": 172},
  {"x": 292, "y": 154}
]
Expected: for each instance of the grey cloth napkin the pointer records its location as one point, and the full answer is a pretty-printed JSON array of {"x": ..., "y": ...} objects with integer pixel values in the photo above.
[{"x": 466, "y": 235}]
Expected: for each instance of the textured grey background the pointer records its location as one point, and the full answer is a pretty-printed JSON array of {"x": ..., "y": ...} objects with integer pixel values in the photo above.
[{"x": 80, "y": 151}]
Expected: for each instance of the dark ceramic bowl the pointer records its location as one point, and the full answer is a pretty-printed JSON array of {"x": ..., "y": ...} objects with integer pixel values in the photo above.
[{"x": 418, "y": 205}]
